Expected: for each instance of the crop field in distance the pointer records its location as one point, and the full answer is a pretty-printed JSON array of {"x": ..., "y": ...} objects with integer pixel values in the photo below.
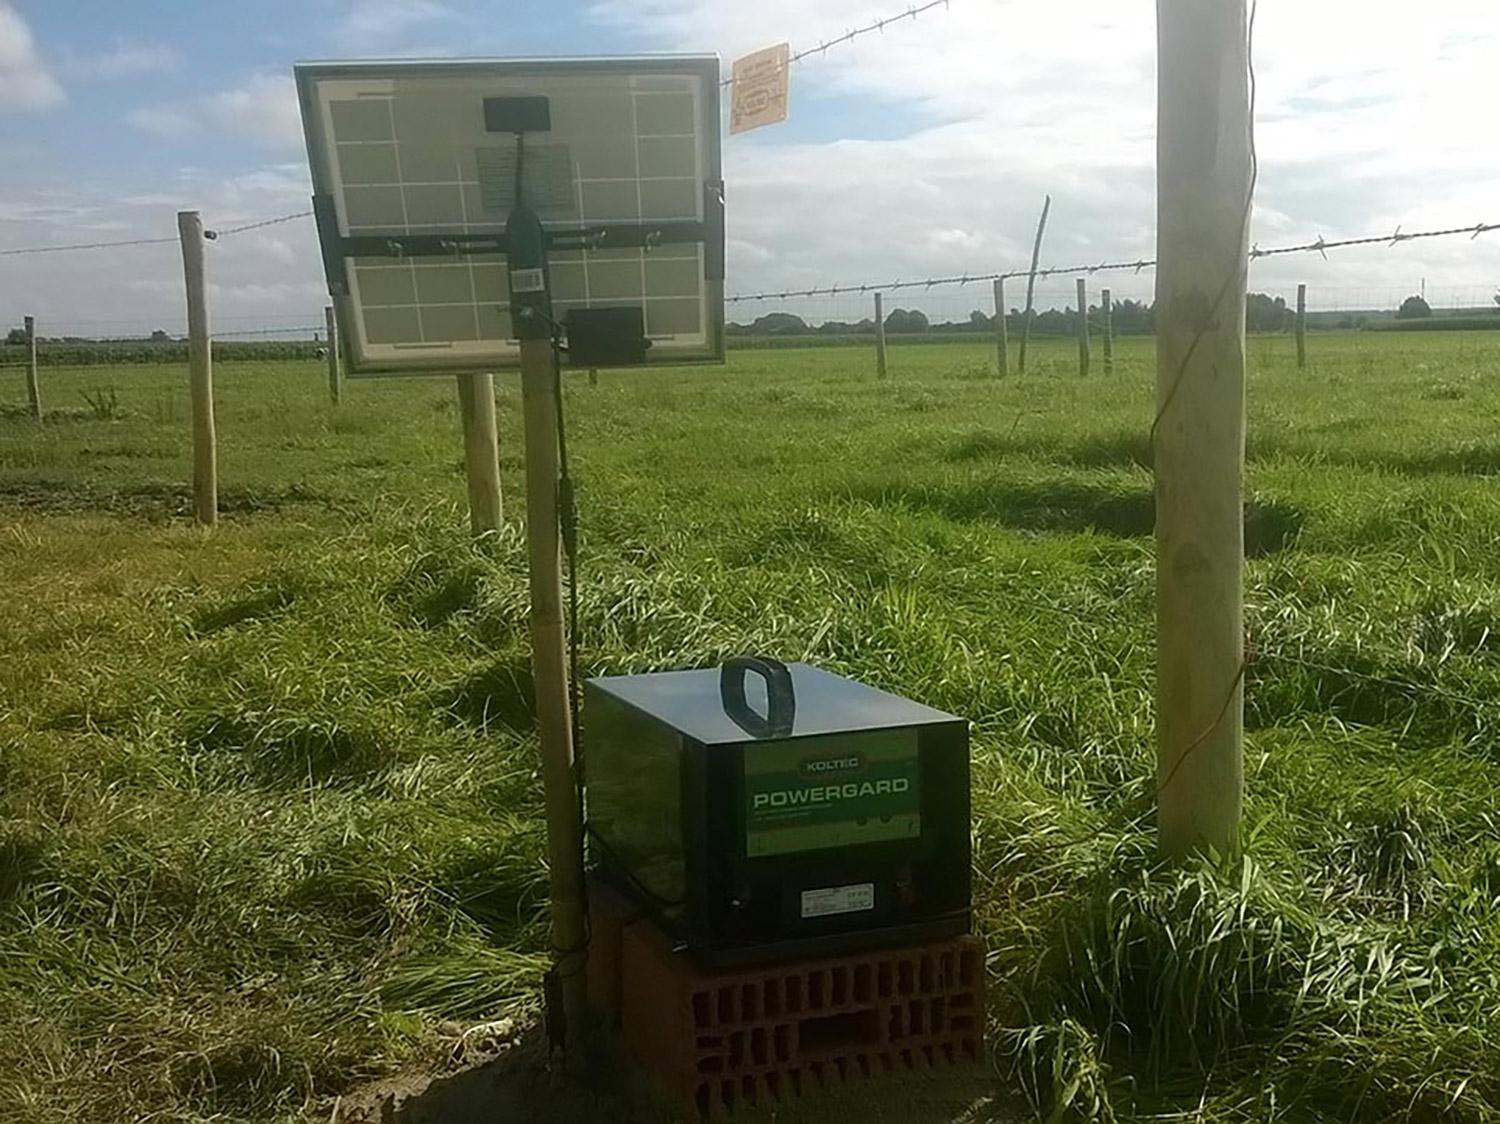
[{"x": 270, "y": 820}]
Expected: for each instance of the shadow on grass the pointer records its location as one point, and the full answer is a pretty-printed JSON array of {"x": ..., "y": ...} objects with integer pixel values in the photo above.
[
  {"x": 291, "y": 752},
  {"x": 1124, "y": 510},
  {"x": 22, "y": 859},
  {"x": 437, "y": 586},
  {"x": 1478, "y": 459},
  {"x": 1358, "y": 689},
  {"x": 503, "y": 692},
  {"x": 517, "y": 1083},
  {"x": 254, "y": 607},
  {"x": 1123, "y": 448},
  {"x": 151, "y": 502}
]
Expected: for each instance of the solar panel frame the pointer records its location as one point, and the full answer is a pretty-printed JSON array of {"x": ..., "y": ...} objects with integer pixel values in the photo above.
[{"x": 383, "y": 301}]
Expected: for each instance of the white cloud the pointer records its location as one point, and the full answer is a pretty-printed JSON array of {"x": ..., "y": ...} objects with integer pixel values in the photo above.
[
  {"x": 25, "y": 82},
  {"x": 123, "y": 59},
  {"x": 386, "y": 25},
  {"x": 260, "y": 279},
  {"x": 262, "y": 109},
  {"x": 1367, "y": 119}
]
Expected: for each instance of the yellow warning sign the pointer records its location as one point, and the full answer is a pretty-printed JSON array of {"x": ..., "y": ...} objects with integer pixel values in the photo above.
[{"x": 759, "y": 91}]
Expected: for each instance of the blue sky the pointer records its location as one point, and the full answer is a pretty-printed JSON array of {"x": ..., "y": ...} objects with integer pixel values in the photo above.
[{"x": 925, "y": 149}]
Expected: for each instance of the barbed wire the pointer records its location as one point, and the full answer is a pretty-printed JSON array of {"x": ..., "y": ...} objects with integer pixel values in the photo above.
[
  {"x": 256, "y": 225},
  {"x": 152, "y": 241},
  {"x": 265, "y": 332},
  {"x": 86, "y": 246},
  {"x": 881, "y": 24},
  {"x": 1321, "y": 246}
]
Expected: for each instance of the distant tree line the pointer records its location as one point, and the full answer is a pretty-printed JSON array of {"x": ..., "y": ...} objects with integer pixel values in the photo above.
[
  {"x": 1263, "y": 313},
  {"x": 1130, "y": 318}
]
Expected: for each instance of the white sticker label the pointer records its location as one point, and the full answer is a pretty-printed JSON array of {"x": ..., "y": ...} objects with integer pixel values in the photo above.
[
  {"x": 838, "y": 899},
  {"x": 527, "y": 281}
]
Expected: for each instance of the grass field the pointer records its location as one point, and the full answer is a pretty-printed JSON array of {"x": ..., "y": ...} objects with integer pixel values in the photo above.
[{"x": 269, "y": 816}]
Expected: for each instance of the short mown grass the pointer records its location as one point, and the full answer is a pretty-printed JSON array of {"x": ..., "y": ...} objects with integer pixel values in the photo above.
[{"x": 270, "y": 820}]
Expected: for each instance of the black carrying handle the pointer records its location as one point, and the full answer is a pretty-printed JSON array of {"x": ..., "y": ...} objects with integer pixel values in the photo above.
[{"x": 781, "y": 701}]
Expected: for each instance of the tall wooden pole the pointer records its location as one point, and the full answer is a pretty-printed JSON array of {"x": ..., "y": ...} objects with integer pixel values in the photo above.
[
  {"x": 1203, "y": 168},
  {"x": 1002, "y": 332},
  {"x": 33, "y": 385},
  {"x": 335, "y": 382},
  {"x": 476, "y": 407},
  {"x": 1301, "y": 326},
  {"x": 200, "y": 371},
  {"x": 550, "y": 671},
  {"x": 1036, "y": 253},
  {"x": 1083, "y": 328},
  {"x": 879, "y": 336},
  {"x": 1107, "y": 307}
]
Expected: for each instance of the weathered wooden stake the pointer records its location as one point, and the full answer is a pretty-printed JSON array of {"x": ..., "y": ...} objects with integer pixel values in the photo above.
[
  {"x": 335, "y": 381},
  {"x": 1083, "y": 328},
  {"x": 476, "y": 402},
  {"x": 33, "y": 385},
  {"x": 1036, "y": 253},
  {"x": 1203, "y": 189},
  {"x": 560, "y": 779},
  {"x": 1002, "y": 332},
  {"x": 1107, "y": 307},
  {"x": 879, "y": 336},
  {"x": 1301, "y": 326},
  {"x": 200, "y": 371}
]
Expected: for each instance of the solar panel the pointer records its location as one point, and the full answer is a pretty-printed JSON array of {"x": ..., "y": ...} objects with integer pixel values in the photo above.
[{"x": 412, "y": 189}]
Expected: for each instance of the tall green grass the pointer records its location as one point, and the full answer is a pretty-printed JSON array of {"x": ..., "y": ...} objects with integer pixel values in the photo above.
[{"x": 270, "y": 822}]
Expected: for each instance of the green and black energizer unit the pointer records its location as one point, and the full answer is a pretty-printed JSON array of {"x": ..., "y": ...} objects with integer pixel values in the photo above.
[{"x": 786, "y": 813}]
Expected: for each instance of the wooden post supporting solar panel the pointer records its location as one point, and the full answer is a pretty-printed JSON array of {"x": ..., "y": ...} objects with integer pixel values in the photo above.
[
  {"x": 1301, "y": 327},
  {"x": 1002, "y": 334},
  {"x": 476, "y": 403},
  {"x": 33, "y": 385},
  {"x": 335, "y": 383},
  {"x": 1203, "y": 205},
  {"x": 1083, "y": 328},
  {"x": 1107, "y": 308},
  {"x": 560, "y": 781},
  {"x": 200, "y": 371},
  {"x": 879, "y": 336}
]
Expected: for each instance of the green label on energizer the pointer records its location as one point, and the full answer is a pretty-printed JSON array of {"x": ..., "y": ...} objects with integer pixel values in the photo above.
[{"x": 834, "y": 791}]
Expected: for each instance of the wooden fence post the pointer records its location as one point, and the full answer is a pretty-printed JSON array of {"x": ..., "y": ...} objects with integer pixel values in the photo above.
[
  {"x": 1036, "y": 253},
  {"x": 200, "y": 371},
  {"x": 335, "y": 382},
  {"x": 560, "y": 780},
  {"x": 879, "y": 336},
  {"x": 1301, "y": 326},
  {"x": 1203, "y": 203},
  {"x": 1107, "y": 306},
  {"x": 476, "y": 407},
  {"x": 1002, "y": 332},
  {"x": 1083, "y": 328},
  {"x": 33, "y": 385}
]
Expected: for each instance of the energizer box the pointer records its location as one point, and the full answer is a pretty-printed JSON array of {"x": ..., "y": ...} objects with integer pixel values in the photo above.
[{"x": 790, "y": 813}]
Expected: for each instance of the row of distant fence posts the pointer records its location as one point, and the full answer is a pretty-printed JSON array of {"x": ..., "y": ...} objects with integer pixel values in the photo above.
[
  {"x": 476, "y": 393},
  {"x": 1107, "y": 328}
]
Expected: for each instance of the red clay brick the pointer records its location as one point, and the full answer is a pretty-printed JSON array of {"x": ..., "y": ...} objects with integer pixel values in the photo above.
[
  {"x": 610, "y": 913},
  {"x": 717, "y": 1039}
]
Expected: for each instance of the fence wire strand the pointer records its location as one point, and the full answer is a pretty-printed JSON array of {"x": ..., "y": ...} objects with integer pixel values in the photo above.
[
  {"x": 854, "y": 33},
  {"x": 211, "y": 234},
  {"x": 1321, "y": 246}
]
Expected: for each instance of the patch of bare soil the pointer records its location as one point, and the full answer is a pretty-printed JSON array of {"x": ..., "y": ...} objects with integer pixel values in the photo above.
[{"x": 153, "y": 502}]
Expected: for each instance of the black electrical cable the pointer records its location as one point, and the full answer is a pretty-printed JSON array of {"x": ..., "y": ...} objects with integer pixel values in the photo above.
[{"x": 567, "y": 519}]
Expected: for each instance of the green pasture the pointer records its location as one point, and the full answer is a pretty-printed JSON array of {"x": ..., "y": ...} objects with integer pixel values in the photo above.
[{"x": 270, "y": 820}]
